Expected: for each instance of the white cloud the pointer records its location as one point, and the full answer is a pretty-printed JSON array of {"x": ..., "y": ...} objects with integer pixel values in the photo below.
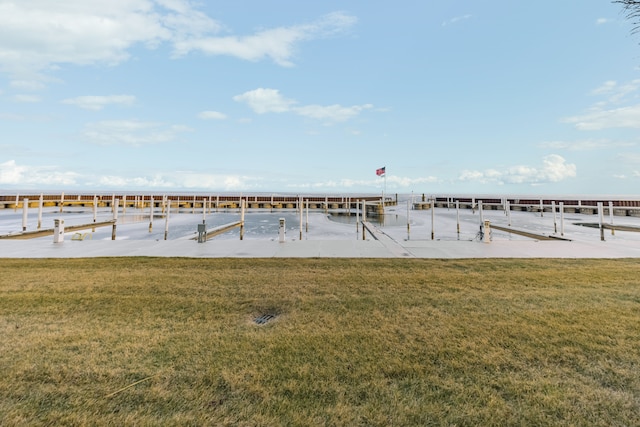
[
  {"x": 554, "y": 169},
  {"x": 624, "y": 117},
  {"x": 586, "y": 145},
  {"x": 99, "y": 102},
  {"x": 602, "y": 21},
  {"x": 278, "y": 44},
  {"x": 27, "y": 98},
  {"x": 335, "y": 112},
  {"x": 178, "y": 180},
  {"x": 611, "y": 112},
  {"x": 456, "y": 20},
  {"x": 263, "y": 101},
  {"x": 393, "y": 183},
  {"x": 13, "y": 174},
  {"x": 212, "y": 115},
  {"x": 131, "y": 132},
  {"x": 31, "y": 85},
  {"x": 38, "y": 35}
]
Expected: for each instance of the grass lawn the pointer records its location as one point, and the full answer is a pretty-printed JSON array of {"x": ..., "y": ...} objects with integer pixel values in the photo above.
[{"x": 384, "y": 342}]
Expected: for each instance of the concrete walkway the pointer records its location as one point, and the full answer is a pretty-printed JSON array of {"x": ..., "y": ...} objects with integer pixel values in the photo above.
[{"x": 318, "y": 249}]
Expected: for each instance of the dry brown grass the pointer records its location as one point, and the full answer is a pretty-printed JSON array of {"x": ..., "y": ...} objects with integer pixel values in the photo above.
[{"x": 355, "y": 342}]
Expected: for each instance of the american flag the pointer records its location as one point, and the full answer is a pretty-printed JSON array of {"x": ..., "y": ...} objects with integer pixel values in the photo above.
[{"x": 381, "y": 171}]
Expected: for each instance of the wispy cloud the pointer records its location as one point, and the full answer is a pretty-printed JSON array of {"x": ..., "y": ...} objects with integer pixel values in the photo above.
[
  {"x": 31, "y": 99},
  {"x": 587, "y": 144},
  {"x": 131, "y": 132},
  {"x": 211, "y": 115},
  {"x": 277, "y": 44},
  {"x": 99, "y": 102},
  {"x": 456, "y": 20},
  {"x": 611, "y": 111},
  {"x": 264, "y": 101}
]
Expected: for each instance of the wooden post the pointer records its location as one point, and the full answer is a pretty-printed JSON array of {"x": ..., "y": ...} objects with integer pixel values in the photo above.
[
  {"x": 166, "y": 219},
  {"x": 300, "y": 203},
  {"x": 433, "y": 217},
  {"x": 408, "y": 222},
  {"x": 458, "y": 217},
  {"x": 364, "y": 218},
  {"x": 480, "y": 212},
  {"x": 95, "y": 212},
  {"x": 357, "y": 217},
  {"x": 193, "y": 207},
  {"x": 555, "y": 224},
  {"x": 541, "y": 208},
  {"x": 307, "y": 222},
  {"x": 562, "y": 218},
  {"x": 124, "y": 204},
  {"x": 151, "y": 206},
  {"x": 115, "y": 219},
  {"x": 508, "y": 203},
  {"x": 15, "y": 206},
  {"x": 61, "y": 201},
  {"x": 600, "y": 217},
  {"x": 242, "y": 206},
  {"x": 25, "y": 207},
  {"x": 40, "y": 206},
  {"x": 611, "y": 218}
]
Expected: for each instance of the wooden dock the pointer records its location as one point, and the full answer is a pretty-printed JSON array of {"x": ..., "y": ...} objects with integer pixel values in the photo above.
[
  {"x": 619, "y": 207},
  {"x": 49, "y": 231},
  {"x": 194, "y": 201}
]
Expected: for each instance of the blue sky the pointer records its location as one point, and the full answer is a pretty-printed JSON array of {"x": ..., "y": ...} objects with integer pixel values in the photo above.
[{"x": 491, "y": 97}]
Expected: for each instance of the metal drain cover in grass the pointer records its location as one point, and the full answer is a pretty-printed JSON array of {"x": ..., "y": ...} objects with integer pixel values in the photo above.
[{"x": 265, "y": 318}]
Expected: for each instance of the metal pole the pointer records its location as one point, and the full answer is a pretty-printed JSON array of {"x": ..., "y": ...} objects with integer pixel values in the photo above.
[
  {"x": 555, "y": 224},
  {"x": 508, "y": 204}
]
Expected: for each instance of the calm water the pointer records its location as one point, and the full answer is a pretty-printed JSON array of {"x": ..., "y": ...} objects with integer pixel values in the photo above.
[{"x": 389, "y": 220}]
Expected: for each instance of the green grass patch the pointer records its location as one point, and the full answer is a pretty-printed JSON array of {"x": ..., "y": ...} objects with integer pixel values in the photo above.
[{"x": 149, "y": 341}]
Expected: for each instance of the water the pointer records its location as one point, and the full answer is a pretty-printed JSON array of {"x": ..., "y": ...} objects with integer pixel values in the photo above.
[{"x": 390, "y": 220}]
